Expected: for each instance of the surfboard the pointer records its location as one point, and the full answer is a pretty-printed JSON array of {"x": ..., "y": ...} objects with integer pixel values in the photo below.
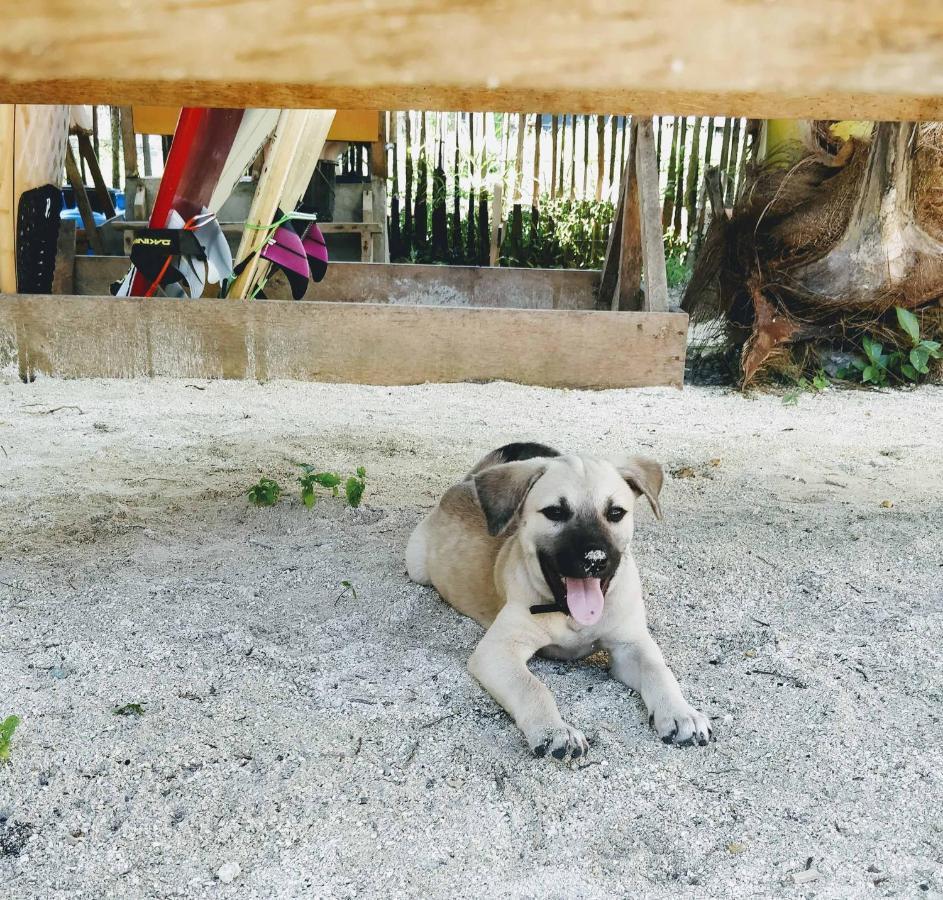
[
  {"x": 33, "y": 141},
  {"x": 296, "y": 147},
  {"x": 198, "y": 155},
  {"x": 255, "y": 129}
]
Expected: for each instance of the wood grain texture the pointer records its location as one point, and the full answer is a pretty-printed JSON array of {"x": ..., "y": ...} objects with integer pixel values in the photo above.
[
  {"x": 653, "y": 244},
  {"x": 105, "y": 337},
  {"x": 7, "y": 200},
  {"x": 402, "y": 283},
  {"x": 839, "y": 59}
]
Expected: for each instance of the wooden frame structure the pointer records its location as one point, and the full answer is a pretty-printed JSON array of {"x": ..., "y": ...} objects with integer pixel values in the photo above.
[{"x": 721, "y": 57}]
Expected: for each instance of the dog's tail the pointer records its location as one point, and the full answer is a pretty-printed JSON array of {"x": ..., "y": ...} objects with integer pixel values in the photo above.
[{"x": 512, "y": 453}]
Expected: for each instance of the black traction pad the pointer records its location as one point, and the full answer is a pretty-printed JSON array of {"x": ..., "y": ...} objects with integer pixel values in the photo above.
[{"x": 37, "y": 236}]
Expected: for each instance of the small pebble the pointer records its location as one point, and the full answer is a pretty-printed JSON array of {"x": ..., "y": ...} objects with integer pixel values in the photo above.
[{"x": 228, "y": 872}]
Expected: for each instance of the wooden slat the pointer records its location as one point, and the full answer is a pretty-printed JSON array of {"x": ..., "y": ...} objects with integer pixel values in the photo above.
[
  {"x": 653, "y": 244},
  {"x": 337, "y": 342},
  {"x": 401, "y": 283},
  {"x": 843, "y": 58}
]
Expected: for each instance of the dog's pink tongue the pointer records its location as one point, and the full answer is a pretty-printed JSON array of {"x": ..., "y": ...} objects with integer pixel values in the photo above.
[{"x": 585, "y": 600}]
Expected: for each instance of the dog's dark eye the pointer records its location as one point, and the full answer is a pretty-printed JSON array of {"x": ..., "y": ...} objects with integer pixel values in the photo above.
[
  {"x": 615, "y": 513},
  {"x": 558, "y": 513}
]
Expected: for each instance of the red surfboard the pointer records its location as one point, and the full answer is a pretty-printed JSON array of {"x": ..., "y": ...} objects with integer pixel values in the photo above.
[{"x": 201, "y": 145}]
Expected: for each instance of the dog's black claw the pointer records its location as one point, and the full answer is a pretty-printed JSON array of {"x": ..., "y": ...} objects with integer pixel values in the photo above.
[
  {"x": 559, "y": 753},
  {"x": 541, "y": 749},
  {"x": 577, "y": 752},
  {"x": 651, "y": 720},
  {"x": 703, "y": 741}
]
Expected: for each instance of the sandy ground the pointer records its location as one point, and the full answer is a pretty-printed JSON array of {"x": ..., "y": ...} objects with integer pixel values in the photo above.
[{"x": 297, "y": 740}]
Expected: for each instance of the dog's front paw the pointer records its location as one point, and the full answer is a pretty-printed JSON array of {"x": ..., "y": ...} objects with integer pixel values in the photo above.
[
  {"x": 564, "y": 743},
  {"x": 681, "y": 724}
]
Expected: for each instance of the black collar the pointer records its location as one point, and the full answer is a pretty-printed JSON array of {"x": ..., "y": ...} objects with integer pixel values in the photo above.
[{"x": 556, "y": 606}]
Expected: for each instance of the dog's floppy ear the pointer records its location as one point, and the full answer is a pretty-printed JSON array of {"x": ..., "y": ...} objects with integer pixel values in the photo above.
[
  {"x": 502, "y": 490},
  {"x": 645, "y": 476}
]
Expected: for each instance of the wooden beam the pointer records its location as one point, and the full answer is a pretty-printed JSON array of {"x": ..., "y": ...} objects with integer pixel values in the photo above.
[
  {"x": 105, "y": 337},
  {"x": 129, "y": 144},
  {"x": 653, "y": 243},
  {"x": 7, "y": 200},
  {"x": 844, "y": 59},
  {"x": 620, "y": 284},
  {"x": 629, "y": 284},
  {"x": 352, "y": 282}
]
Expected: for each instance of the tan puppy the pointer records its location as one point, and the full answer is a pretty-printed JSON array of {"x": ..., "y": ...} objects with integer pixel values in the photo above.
[{"x": 535, "y": 547}]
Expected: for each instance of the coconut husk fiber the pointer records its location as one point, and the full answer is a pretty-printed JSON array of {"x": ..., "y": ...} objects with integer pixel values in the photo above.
[{"x": 819, "y": 251}]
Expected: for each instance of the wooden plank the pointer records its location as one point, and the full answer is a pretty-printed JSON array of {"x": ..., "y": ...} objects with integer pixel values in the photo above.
[
  {"x": 844, "y": 59},
  {"x": 129, "y": 146},
  {"x": 105, "y": 337},
  {"x": 7, "y": 199},
  {"x": 629, "y": 284},
  {"x": 653, "y": 245},
  {"x": 403, "y": 283},
  {"x": 620, "y": 284}
]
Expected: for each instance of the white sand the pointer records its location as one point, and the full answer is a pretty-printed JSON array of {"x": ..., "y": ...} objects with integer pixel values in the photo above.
[{"x": 296, "y": 741}]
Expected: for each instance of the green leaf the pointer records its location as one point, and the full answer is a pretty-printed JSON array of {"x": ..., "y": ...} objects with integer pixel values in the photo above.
[
  {"x": 910, "y": 323},
  {"x": 918, "y": 359},
  {"x": 7, "y": 727},
  {"x": 307, "y": 494},
  {"x": 362, "y": 472},
  {"x": 873, "y": 349},
  {"x": 870, "y": 373},
  {"x": 820, "y": 382},
  {"x": 909, "y": 371},
  {"x": 265, "y": 493},
  {"x": 859, "y": 364},
  {"x": 354, "y": 489},
  {"x": 930, "y": 345}
]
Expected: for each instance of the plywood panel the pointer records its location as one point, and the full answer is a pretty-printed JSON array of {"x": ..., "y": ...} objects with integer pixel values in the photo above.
[
  {"x": 338, "y": 342},
  {"x": 841, "y": 59}
]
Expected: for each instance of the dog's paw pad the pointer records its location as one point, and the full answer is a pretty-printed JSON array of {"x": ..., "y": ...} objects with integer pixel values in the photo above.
[
  {"x": 682, "y": 726},
  {"x": 564, "y": 744}
]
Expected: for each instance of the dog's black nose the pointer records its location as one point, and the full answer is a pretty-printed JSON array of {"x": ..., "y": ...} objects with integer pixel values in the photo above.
[{"x": 595, "y": 560}]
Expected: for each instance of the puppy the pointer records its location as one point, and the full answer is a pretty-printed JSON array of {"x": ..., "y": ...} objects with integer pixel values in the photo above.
[{"x": 534, "y": 546}]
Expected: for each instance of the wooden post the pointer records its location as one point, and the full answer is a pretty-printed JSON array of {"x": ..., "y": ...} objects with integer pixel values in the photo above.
[
  {"x": 146, "y": 154},
  {"x": 63, "y": 277},
  {"x": 81, "y": 200},
  {"x": 535, "y": 185},
  {"x": 620, "y": 283},
  {"x": 497, "y": 220},
  {"x": 519, "y": 157},
  {"x": 378, "y": 176},
  {"x": 554, "y": 128},
  {"x": 600, "y": 155},
  {"x": 653, "y": 245},
  {"x": 128, "y": 143},
  {"x": 7, "y": 201}
]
